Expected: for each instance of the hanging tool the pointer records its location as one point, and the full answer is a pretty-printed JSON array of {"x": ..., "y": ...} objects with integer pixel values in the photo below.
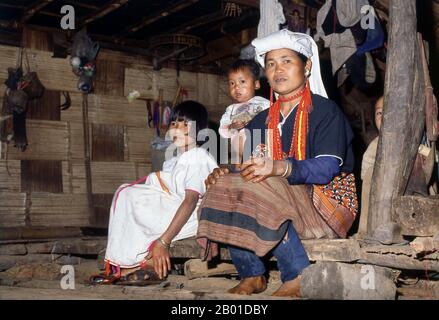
[
  {"x": 150, "y": 114},
  {"x": 157, "y": 111}
]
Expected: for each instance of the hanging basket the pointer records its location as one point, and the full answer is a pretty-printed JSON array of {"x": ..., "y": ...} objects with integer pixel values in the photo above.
[
  {"x": 34, "y": 88},
  {"x": 14, "y": 77},
  {"x": 189, "y": 47},
  {"x": 29, "y": 82},
  {"x": 17, "y": 101}
]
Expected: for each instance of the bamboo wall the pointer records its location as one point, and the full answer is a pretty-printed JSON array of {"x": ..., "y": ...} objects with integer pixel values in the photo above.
[{"x": 46, "y": 185}]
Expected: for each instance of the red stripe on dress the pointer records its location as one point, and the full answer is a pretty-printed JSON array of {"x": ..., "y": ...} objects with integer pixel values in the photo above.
[{"x": 130, "y": 185}]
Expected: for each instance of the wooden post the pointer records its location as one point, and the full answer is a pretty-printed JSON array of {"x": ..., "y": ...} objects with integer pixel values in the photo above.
[
  {"x": 87, "y": 156},
  {"x": 403, "y": 121}
]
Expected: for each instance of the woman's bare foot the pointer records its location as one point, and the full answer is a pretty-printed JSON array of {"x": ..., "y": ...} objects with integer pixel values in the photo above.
[
  {"x": 289, "y": 289},
  {"x": 247, "y": 286}
]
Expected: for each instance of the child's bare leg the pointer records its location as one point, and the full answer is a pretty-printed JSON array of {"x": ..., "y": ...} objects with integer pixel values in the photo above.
[
  {"x": 235, "y": 150},
  {"x": 241, "y": 144}
]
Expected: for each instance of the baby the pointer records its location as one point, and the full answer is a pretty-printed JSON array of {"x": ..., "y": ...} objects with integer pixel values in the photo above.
[{"x": 243, "y": 80}]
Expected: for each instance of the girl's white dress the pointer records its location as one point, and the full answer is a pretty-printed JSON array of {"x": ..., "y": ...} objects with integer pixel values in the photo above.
[{"x": 140, "y": 213}]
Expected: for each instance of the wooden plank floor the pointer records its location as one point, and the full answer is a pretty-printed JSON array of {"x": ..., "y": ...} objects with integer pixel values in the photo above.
[{"x": 340, "y": 250}]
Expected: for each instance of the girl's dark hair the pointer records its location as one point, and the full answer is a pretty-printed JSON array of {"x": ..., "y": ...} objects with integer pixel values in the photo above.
[
  {"x": 191, "y": 111},
  {"x": 241, "y": 64}
]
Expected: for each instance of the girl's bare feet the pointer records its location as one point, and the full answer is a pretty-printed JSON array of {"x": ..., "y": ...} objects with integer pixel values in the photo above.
[
  {"x": 126, "y": 271},
  {"x": 247, "y": 286},
  {"x": 289, "y": 289}
]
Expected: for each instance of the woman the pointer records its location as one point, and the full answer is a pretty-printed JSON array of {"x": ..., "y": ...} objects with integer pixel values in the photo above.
[{"x": 298, "y": 182}]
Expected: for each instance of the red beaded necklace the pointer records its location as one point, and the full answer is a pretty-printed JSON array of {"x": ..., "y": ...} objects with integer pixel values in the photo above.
[
  {"x": 292, "y": 98},
  {"x": 298, "y": 141}
]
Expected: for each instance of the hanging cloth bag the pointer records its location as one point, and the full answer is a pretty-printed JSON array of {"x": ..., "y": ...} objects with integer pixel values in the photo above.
[{"x": 31, "y": 84}]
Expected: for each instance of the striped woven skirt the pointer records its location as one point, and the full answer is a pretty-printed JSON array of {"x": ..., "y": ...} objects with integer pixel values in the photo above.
[{"x": 255, "y": 216}]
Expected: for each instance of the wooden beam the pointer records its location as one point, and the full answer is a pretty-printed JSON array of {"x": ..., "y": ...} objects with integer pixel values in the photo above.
[
  {"x": 417, "y": 216},
  {"x": 50, "y": 14},
  {"x": 81, "y": 4},
  {"x": 203, "y": 20},
  {"x": 33, "y": 9},
  {"x": 338, "y": 250},
  {"x": 195, "y": 268},
  {"x": 247, "y": 3},
  {"x": 13, "y": 249},
  {"x": 157, "y": 16},
  {"x": 418, "y": 292},
  {"x": 136, "y": 46},
  {"x": 7, "y": 262},
  {"x": 318, "y": 250},
  {"x": 399, "y": 262},
  {"x": 9, "y": 24},
  {"x": 102, "y": 12},
  {"x": 26, "y": 233},
  {"x": 403, "y": 121},
  {"x": 13, "y": 6},
  {"x": 21, "y": 7},
  {"x": 10, "y": 39},
  {"x": 424, "y": 245}
]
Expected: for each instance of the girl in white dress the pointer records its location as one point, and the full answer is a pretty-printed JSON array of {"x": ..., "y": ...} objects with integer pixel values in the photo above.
[{"x": 146, "y": 217}]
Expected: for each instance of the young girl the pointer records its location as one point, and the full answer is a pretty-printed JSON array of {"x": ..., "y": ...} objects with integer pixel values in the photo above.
[{"x": 146, "y": 217}]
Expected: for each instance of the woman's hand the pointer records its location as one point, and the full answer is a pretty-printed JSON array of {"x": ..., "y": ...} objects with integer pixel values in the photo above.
[
  {"x": 259, "y": 169},
  {"x": 161, "y": 259},
  {"x": 215, "y": 175}
]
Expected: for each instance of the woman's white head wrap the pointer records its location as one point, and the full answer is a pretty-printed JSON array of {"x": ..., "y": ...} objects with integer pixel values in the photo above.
[{"x": 299, "y": 42}]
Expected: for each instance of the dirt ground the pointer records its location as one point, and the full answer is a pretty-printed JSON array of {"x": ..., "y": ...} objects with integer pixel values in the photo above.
[{"x": 42, "y": 281}]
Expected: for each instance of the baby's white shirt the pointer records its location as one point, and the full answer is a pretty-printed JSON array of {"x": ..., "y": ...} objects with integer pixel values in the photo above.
[{"x": 249, "y": 108}]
